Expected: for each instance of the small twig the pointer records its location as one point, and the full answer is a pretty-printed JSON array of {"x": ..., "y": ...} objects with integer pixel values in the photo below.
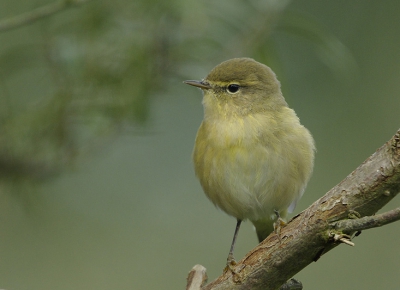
[
  {"x": 197, "y": 278},
  {"x": 368, "y": 222},
  {"x": 343, "y": 238},
  {"x": 38, "y": 13},
  {"x": 347, "y": 242}
]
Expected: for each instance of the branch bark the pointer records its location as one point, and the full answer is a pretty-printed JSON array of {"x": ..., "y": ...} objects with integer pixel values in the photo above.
[
  {"x": 38, "y": 13},
  {"x": 331, "y": 220}
]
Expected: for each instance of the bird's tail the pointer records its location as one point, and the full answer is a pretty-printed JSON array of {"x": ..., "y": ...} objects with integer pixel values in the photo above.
[
  {"x": 263, "y": 228},
  {"x": 266, "y": 226}
]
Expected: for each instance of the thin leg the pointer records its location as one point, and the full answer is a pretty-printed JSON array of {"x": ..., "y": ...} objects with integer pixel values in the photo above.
[{"x": 231, "y": 259}]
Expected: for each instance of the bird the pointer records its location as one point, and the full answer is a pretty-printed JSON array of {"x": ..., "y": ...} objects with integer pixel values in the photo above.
[{"x": 252, "y": 156}]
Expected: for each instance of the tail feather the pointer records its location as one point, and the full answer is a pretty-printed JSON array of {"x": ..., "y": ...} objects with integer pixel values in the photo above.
[
  {"x": 266, "y": 226},
  {"x": 263, "y": 228}
]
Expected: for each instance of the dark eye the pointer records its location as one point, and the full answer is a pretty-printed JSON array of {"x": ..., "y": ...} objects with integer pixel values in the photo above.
[{"x": 232, "y": 88}]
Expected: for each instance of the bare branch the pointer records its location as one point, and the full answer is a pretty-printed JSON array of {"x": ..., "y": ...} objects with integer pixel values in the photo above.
[
  {"x": 38, "y": 13},
  {"x": 328, "y": 222},
  {"x": 368, "y": 222}
]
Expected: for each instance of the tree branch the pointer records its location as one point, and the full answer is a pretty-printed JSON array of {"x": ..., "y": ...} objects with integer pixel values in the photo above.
[
  {"x": 38, "y": 13},
  {"x": 368, "y": 222},
  {"x": 328, "y": 222}
]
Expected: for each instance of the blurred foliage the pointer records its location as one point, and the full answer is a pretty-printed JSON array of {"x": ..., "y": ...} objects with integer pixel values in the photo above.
[
  {"x": 74, "y": 81},
  {"x": 330, "y": 50},
  {"x": 95, "y": 69}
]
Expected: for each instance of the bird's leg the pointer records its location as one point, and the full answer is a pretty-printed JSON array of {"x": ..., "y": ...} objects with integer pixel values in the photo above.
[
  {"x": 278, "y": 224},
  {"x": 231, "y": 260}
]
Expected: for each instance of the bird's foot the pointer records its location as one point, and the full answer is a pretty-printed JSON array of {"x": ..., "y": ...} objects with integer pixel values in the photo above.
[
  {"x": 230, "y": 264},
  {"x": 278, "y": 224},
  {"x": 354, "y": 214}
]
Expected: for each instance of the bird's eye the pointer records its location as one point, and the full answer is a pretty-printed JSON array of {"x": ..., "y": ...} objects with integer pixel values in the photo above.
[{"x": 233, "y": 88}]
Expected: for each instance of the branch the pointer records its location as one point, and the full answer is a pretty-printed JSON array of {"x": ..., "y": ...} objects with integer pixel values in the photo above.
[
  {"x": 333, "y": 219},
  {"x": 38, "y": 13},
  {"x": 369, "y": 222},
  {"x": 197, "y": 278}
]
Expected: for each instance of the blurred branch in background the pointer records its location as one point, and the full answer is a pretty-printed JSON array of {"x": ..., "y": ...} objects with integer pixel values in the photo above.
[{"x": 38, "y": 13}]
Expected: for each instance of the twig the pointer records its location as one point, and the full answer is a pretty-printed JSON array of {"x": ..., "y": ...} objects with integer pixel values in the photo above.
[
  {"x": 197, "y": 278},
  {"x": 368, "y": 222},
  {"x": 38, "y": 13}
]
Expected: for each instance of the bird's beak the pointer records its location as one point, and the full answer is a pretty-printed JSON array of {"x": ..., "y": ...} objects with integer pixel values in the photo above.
[{"x": 200, "y": 84}]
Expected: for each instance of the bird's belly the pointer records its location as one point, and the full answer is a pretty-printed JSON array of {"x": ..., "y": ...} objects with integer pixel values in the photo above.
[{"x": 248, "y": 183}]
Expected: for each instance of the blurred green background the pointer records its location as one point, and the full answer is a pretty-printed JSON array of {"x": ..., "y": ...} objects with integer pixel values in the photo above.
[{"x": 97, "y": 189}]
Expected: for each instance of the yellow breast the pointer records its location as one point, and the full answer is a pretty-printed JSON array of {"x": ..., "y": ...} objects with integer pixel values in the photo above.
[{"x": 249, "y": 170}]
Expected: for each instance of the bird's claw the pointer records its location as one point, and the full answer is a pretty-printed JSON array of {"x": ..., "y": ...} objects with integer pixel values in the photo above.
[{"x": 278, "y": 224}]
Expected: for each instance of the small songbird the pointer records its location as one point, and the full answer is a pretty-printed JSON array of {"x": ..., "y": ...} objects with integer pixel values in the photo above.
[{"x": 252, "y": 156}]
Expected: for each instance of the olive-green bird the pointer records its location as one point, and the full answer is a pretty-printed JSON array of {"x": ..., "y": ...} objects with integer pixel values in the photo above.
[{"x": 252, "y": 156}]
